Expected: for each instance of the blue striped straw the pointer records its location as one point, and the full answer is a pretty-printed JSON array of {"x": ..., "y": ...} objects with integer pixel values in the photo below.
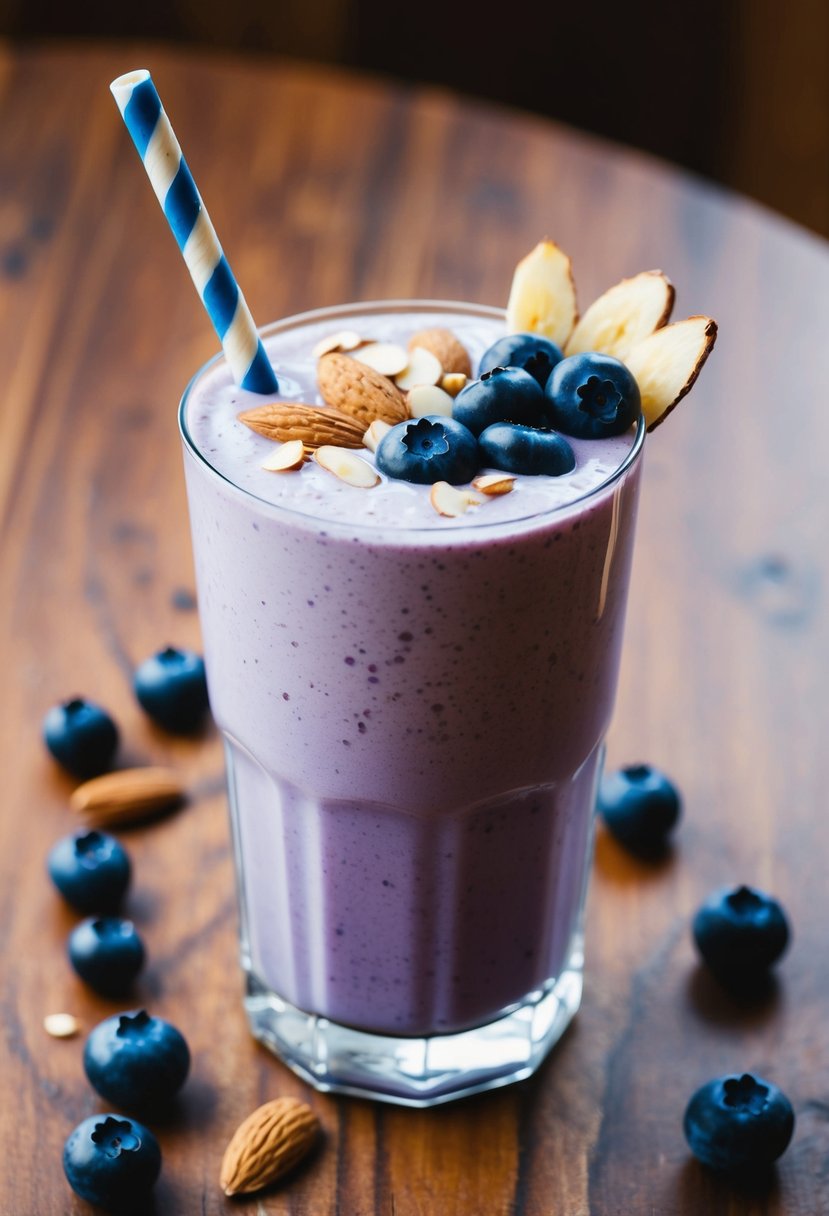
[{"x": 175, "y": 189}]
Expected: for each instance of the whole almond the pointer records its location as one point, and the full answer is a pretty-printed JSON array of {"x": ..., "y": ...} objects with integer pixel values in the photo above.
[
  {"x": 268, "y": 1144},
  {"x": 453, "y": 355},
  {"x": 287, "y": 420},
  {"x": 127, "y": 796},
  {"x": 358, "y": 390}
]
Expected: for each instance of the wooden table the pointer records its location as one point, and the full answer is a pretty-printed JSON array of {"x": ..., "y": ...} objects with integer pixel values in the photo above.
[{"x": 326, "y": 188}]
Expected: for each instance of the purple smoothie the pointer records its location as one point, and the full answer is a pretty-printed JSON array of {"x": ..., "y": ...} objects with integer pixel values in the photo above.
[{"x": 414, "y": 706}]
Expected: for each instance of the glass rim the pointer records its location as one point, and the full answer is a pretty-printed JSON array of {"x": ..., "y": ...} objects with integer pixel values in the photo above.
[{"x": 458, "y": 531}]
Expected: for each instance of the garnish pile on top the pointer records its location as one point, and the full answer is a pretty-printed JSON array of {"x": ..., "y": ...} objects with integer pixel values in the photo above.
[{"x": 553, "y": 375}]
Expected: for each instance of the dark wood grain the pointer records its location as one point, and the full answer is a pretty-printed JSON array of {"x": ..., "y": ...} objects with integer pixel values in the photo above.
[{"x": 327, "y": 188}]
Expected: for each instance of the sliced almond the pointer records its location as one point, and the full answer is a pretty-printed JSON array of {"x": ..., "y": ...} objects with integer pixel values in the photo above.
[
  {"x": 312, "y": 424},
  {"x": 374, "y": 434},
  {"x": 450, "y": 501},
  {"x": 387, "y": 358},
  {"x": 494, "y": 484},
  {"x": 61, "y": 1025},
  {"x": 127, "y": 796},
  {"x": 351, "y": 469},
  {"x": 542, "y": 299},
  {"x": 626, "y": 314},
  {"x": 288, "y": 456},
  {"x": 446, "y": 347},
  {"x": 426, "y": 399},
  {"x": 667, "y": 363},
  {"x": 422, "y": 368},
  {"x": 267, "y": 1145},
  {"x": 453, "y": 382},
  {"x": 345, "y": 339},
  {"x": 359, "y": 391}
]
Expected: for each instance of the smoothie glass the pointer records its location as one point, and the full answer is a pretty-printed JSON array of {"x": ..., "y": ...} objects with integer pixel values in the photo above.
[{"x": 413, "y": 722}]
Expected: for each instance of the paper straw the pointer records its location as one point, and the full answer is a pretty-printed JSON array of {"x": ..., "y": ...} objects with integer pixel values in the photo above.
[{"x": 181, "y": 202}]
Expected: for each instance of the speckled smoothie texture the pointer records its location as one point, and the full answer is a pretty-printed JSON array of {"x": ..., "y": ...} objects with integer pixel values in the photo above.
[{"x": 414, "y": 707}]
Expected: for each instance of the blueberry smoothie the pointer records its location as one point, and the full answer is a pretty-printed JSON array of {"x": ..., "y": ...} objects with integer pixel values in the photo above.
[{"x": 414, "y": 708}]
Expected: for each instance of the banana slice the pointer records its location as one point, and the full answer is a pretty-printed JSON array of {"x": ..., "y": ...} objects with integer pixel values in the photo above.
[
  {"x": 667, "y": 363},
  {"x": 626, "y": 314},
  {"x": 542, "y": 299}
]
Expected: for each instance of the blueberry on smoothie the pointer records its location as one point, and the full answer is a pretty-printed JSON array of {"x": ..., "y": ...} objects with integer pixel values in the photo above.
[
  {"x": 740, "y": 933},
  {"x": 91, "y": 870},
  {"x": 524, "y": 449},
  {"x": 171, "y": 688},
  {"x": 112, "y": 1162},
  {"x": 504, "y": 394},
  {"x": 81, "y": 736},
  {"x": 107, "y": 953},
  {"x": 592, "y": 396},
  {"x": 530, "y": 352},
  {"x": 136, "y": 1061},
  {"x": 640, "y": 806},
  {"x": 739, "y": 1124},
  {"x": 429, "y": 449}
]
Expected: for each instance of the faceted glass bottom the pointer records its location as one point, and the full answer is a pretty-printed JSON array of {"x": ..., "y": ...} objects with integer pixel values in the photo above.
[{"x": 417, "y": 1071}]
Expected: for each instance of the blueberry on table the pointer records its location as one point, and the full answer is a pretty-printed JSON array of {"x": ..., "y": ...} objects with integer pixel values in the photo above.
[
  {"x": 107, "y": 953},
  {"x": 81, "y": 736},
  {"x": 592, "y": 396},
  {"x": 113, "y": 1162},
  {"x": 429, "y": 449},
  {"x": 136, "y": 1061},
  {"x": 740, "y": 933},
  {"x": 530, "y": 352},
  {"x": 640, "y": 807},
  {"x": 171, "y": 688},
  {"x": 739, "y": 1124},
  {"x": 91, "y": 870},
  {"x": 525, "y": 449},
  {"x": 504, "y": 394}
]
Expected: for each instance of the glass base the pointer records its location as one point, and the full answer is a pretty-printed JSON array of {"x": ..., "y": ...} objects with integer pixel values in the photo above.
[{"x": 417, "y": 1071}]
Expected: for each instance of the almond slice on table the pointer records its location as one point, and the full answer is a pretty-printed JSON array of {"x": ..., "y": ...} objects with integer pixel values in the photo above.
[
  {"x": 667, "y": 363},
  {"x": 542, "y": 299},
  {"x": 128, "y": 795},
  {"x": 624, "y": 315},
  {"x": 422, "y": 367},
  {"x": 351, "y": 469},
  {"x": 267, "y": 1145},
  {"x": 374, "y": 434},
  {"x": 344, "y": 339},
  {"x": 494, "y": 484},
  {"x": 449, "y": 351},
  {"x": 387, "y": 358},
  {"x": 358, "y": 390},
  {"x": 426, "y": 399},
  {"x": 61, "y": 1025},
  {"x": 287, "y": 457},
  {"x": 314, "y": 425},
  {"x": 450, "y": 501}
]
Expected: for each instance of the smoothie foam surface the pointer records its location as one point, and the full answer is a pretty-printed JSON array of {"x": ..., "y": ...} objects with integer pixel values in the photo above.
[{"x": 237, "y": 453}]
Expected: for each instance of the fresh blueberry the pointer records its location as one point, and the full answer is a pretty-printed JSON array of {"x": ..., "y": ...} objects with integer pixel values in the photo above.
[
  {"x": 592, "y": 396},
  {"x": 640, "y": 807},
  {"x": 428, "y": 450},
  {"x": 112, "y": 1162},
  {"x": 136, "y": 1061},
  {"x": 81, "y": 736},
  {"x": 524, "y": 449},
  {"x": 531, "y": 352},
  {"x": 504, "y": 394},
  {"x": 740, "y": 932},
  {"x": 107, "y": 953},
  {"x": 91, "y": 870},
  {"x": 739, "y": 1125},
  {"x": 171, "y": 687}
]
